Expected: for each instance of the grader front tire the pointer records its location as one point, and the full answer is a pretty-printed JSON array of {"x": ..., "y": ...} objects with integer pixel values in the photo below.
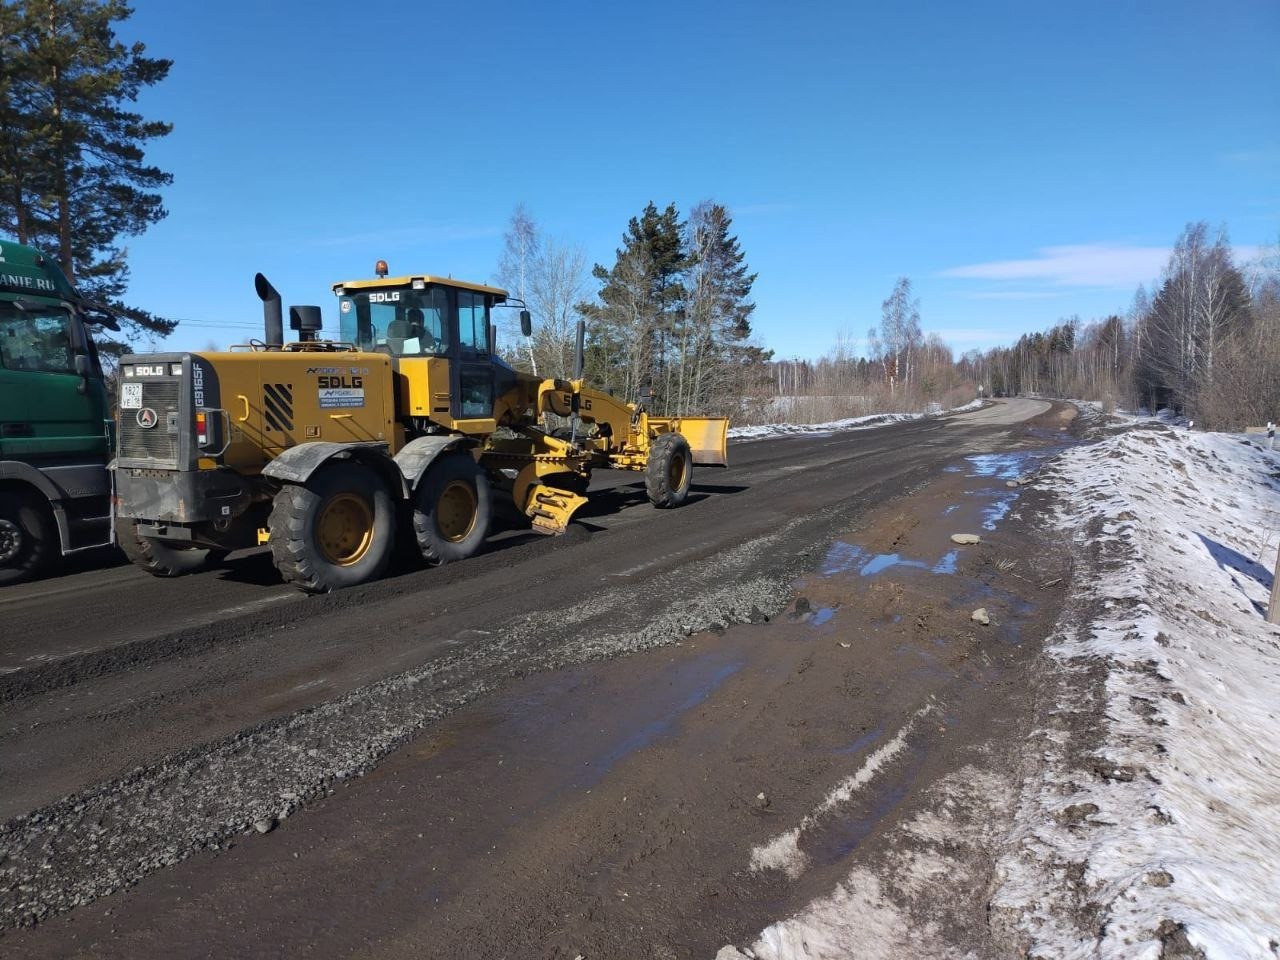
[
  {"x": 669, "y": 471},
  {"x": 337, "y": 530},
  {"x": 451, "y": 509}
]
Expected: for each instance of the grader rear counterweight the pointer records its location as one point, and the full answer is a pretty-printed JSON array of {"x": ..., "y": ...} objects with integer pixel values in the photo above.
[{"x": 399, "y": 433}]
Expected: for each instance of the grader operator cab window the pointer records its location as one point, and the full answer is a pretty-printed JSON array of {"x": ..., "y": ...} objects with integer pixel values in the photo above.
[
  {"x": 473, "y": 322},
  {"x": 402, "y": 322}
]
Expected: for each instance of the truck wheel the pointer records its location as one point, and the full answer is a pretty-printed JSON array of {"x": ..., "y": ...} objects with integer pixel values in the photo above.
[
  {"x": 669, "y": 471},
  {"x": 28, "y": 538},
  {"x": 451, "y": 509},
  {"x": 158, "y": 558},
  {"x": 337, "y": 530}
]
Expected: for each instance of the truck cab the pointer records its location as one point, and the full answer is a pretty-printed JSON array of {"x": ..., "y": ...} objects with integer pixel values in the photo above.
[{"x": 55, "y": 430}]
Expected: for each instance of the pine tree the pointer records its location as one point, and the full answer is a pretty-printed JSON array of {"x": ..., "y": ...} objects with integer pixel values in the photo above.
[
  {"x": 641, "y": 299},
  {"x": 17, "y": 130},
  {"x": 73, "y": 173},
  {"x": 716, "y": 326}
]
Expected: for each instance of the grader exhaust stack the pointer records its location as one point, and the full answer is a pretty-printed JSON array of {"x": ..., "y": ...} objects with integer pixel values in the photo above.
[{"x": 272, "y": 312}]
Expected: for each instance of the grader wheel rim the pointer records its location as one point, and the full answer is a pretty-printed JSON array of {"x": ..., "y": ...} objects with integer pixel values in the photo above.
[
  {"x": 676, "y": 470},
  {"x": 344, "y": 529},
  {"x": 456, "y": 511}
]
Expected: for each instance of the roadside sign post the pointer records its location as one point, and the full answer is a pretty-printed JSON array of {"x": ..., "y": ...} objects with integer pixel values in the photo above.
[{"x": 1273, "y": 610}]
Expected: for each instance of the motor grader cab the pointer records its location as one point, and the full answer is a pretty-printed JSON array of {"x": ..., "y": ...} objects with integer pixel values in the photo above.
[{"x": 402, "y": 430}]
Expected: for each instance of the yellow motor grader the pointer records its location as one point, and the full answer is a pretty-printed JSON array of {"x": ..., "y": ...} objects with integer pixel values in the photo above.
[{"x": 401, "y": 432}]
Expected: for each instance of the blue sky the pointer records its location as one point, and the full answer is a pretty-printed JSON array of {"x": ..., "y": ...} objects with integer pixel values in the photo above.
[{"x": 1019, "y": 161}]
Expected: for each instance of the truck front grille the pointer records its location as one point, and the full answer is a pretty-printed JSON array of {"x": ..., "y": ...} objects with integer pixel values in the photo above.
[{"x": 158, "y": 443}]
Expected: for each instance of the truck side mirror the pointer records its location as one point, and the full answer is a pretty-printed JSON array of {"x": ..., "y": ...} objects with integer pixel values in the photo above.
[
  {"x": 101, "y": 315},
  {"x": 526, "y": 323},
  {"x": 84, "y": 368}
]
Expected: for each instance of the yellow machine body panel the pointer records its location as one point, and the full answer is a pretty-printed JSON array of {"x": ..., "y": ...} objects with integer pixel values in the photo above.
[
  {"x": 423, "y": 383},
  {"x": 384, "y": 283},
  {"x": 274, "y": 400}
]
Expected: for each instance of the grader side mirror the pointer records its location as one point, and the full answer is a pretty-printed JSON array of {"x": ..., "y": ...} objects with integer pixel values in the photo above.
[{"x": 526, "y": 323}]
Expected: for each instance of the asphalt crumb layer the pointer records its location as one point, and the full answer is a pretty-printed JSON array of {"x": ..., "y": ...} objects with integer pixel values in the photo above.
[{"x": 95, "y": 842}]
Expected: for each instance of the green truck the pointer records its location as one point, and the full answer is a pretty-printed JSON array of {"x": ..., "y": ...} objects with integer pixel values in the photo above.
[{"x": 55, "y": 429}]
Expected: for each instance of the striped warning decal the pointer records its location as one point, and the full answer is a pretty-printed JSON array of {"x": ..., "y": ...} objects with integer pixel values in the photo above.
[{"x": 277, "y": 406}]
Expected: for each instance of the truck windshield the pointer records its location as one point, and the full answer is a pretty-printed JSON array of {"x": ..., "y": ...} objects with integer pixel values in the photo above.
[
  {"x": 36, "y": 338},
  {"x": 401, "y": 322}
]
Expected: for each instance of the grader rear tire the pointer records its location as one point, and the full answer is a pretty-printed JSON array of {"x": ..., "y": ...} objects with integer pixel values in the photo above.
[
  {"x": 451, "y": 509},
  {"x": 669, "y": 471},
  {"x": 337, "y": 530},
  {"x": 161, "y": 559}
]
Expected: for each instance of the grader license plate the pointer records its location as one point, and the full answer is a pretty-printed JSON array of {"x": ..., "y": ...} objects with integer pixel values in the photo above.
[{"x": 131, "y": 396}]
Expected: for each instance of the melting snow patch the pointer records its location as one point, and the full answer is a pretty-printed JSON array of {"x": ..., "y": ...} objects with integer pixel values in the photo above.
[
  {"x": 783, "y": 851},
  {"x": 848, "y": 423},
  {"x": 1168, "y": 822},
  {"x": 931, "y": 881}
]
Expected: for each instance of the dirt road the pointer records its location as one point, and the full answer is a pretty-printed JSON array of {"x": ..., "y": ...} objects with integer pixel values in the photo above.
[{"x": 562, "y": 747}]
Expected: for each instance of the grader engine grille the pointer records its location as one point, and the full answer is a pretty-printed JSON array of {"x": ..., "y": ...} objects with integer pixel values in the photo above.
[
  {"x": 277, "y": 406},
  {"x": 149, "y": 432}
]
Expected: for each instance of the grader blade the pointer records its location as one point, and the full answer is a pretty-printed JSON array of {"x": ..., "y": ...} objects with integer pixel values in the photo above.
[
  {"x": 551, "y": 508},
  {"x": 708, "y": 437}
]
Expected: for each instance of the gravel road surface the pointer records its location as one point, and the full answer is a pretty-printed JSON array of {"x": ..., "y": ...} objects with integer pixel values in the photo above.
[{"x": 564, "y": 746}]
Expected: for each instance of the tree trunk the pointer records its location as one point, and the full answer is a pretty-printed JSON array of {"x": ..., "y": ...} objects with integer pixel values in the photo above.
[{"x": 63, "y": 198}]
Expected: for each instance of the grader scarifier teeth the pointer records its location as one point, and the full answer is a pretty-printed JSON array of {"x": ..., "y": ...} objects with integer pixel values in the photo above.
[{"x": 551, "y": 508}]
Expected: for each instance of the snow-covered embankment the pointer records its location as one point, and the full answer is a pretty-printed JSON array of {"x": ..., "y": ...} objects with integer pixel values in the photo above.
[{"x": 1157, "y": 832}]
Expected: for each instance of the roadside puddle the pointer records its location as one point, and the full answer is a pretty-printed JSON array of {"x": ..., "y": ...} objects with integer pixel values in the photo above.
[
  {"x": 942, "y": 612},
  {"x": 576, "y": 746}
]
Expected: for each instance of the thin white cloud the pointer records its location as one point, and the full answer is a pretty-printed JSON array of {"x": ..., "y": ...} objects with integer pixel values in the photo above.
[
  {"x": 1079, "y": 265},
  {"x": 1106, "y": 265}
]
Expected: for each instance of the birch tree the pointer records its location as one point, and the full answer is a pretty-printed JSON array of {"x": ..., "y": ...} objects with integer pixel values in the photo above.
[
  {"x": 520, "y": 246},
  {"x": 1202, "y": 298},
  {"x": 900, "y": 330}
]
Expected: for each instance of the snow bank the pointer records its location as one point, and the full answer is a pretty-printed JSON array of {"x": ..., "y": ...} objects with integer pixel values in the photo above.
[
  {"x": 1164, "y": 831},
  {"x": 848, "y": 423}
]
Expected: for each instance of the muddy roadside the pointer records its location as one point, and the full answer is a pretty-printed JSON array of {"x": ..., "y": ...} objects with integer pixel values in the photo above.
[{"x": 611, "y": 809}]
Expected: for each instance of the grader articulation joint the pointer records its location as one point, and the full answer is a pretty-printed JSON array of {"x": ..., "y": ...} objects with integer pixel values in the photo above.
[{"x": 401, "y": 430}]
